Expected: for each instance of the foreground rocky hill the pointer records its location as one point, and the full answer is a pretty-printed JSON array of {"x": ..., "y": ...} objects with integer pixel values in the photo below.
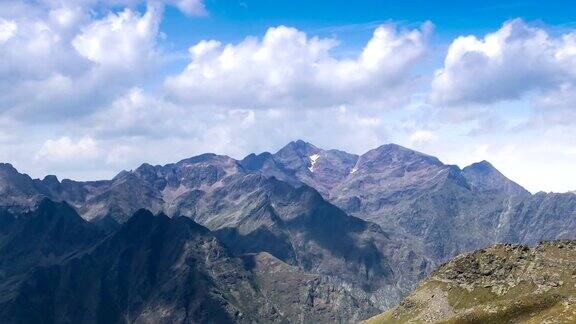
[{"x": 501, "y": 284}]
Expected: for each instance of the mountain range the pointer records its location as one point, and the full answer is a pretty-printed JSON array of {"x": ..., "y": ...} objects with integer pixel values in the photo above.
[{"x": 303, "y": 234}]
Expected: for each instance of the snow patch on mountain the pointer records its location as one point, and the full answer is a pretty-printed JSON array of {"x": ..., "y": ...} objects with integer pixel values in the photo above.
[{"x": 313, "y": 159}]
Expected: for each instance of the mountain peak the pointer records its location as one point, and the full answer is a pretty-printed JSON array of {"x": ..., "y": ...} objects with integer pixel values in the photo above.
[
  {"x": 395, "y": 154},
  {"x": 297, "y": 155},
  {"x": 8, "y": 167},
  {"x": 254, "y": 162},
  {"x": 482, "y": 166},
  {"x": 205, "y": 157},
  {"x": 400, "y": 150},
  {"x": 299, "y": 146},
  {"x": 484, "y": 176},
  {"x": 52, "y": 179}
]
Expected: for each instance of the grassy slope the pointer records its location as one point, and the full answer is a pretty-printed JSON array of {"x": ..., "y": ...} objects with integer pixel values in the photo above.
[{"x": 502, "y": 284}]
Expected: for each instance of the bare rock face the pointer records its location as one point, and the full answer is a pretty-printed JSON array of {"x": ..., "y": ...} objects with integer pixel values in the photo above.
[
  {"x": 440, "y": 209},
  {"x": 307, "y": 297},
  {"x": 501, "y": 284},
  {"x": 252, "y": 213}
]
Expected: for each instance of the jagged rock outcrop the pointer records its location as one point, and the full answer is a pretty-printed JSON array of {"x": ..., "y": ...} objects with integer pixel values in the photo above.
[{"x": 501, "y": 284}]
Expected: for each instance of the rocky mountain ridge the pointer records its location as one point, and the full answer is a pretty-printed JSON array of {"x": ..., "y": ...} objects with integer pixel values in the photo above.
[{"x": 376, "y": 222}]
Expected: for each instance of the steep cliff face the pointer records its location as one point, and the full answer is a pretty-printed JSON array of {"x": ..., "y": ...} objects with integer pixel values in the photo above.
[
  {"x": 305, "y": 297},
  {"x": 501, "y": 284}
]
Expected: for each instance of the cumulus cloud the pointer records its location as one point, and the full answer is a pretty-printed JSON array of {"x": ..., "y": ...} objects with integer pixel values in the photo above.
[
  {"x": 125, "y": 40},
  {"x": 420, "y": 137},
  {"x": 65, "y": 150},
  {"x": 287, "y": 68},
  {"x": 65, "y": 62},
  {"x": 188, "y": 7},
  {"x": 140, "y": 114},
  {"x": 508, "y": 64},
  {"x": 7, "y": 30}
]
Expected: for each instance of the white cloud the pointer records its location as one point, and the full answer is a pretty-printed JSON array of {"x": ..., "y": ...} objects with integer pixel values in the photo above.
[
  {"x": 190, "y": 7},
  {"x": 421, "y": 137},
  {"x": 85, "y": 70},
  {"x": 124, "y": 40},
  {"x": 73, "y": 62},
  {"x": 7, "y": 30},
  {"x": 505, "y": 65},
  {"x": 287, "y": 68},
  {"x": 139, "y": 114},
  {"x": 65, "y": 150}
]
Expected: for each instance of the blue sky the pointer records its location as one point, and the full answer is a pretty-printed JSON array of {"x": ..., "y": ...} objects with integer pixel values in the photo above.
[
  {"x": 351, "y": 23},
  {"x": 233, "y": 20},
  {"x": 97, "y": 86}
]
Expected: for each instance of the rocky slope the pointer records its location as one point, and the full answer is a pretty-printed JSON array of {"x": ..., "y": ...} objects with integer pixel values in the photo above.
[
  {"x": 251, "y": 214},
  {"x": 501, "y": 284},
  {"x": 157, "y": 269}
]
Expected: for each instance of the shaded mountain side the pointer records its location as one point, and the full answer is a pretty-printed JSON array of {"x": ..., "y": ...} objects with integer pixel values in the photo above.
[
  {"x": 51, "y": 234},
  {"x": 17, "y": 191},
  {"x": 165, "y": 270},
  {"x": 501, "y": 284},
  {"x": 154, "y": 269}
]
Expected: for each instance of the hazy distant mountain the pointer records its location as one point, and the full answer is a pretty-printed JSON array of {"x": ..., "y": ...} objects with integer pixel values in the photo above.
[{"x": 502, "y": 284}]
